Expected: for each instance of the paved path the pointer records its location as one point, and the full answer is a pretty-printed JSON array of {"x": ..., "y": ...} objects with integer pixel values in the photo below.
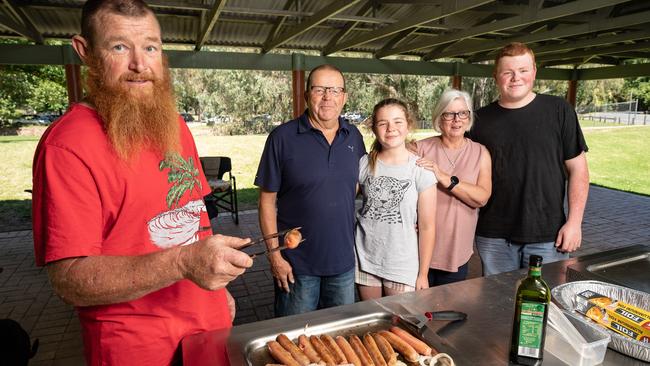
[{"x": 613, "y": 219}]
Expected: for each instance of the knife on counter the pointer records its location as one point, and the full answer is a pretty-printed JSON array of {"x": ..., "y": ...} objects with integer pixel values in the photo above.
[{"x": 420, "y": 325}]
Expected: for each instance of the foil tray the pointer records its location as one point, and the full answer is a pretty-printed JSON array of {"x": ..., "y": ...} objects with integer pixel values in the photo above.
[
  {"x": 256, "y": 353},
  {"x": 565, "y": 296}
]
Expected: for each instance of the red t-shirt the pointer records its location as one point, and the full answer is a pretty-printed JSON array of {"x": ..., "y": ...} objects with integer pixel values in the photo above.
[{"x": 87, "y": 202}]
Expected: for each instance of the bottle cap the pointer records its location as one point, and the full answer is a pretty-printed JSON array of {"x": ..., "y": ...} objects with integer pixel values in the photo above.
[{"x": 535, "y": 260}]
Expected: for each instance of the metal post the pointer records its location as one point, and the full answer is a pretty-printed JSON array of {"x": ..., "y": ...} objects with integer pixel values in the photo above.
[{"x": 298, "y": 83}]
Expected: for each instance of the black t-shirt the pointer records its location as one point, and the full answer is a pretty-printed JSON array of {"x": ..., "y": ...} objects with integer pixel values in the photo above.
[{"x": 529, "y": 146}]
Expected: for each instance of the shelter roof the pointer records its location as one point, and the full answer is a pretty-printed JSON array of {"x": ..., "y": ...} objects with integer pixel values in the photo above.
[{"x": 562, "y": 32}]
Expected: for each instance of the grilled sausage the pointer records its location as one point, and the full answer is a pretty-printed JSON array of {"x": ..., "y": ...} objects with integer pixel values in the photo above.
[
  {"x": 334, "y": 349},
  {"x": 322, "y": 350},
  {"x": 361, "y": 351},
  {"x": 400, "y": 346},
  {"x": 296, "y": 352},
  {"x": 280, "y": 354},
  {"x": 419, "y": 346},
  {"x": 386, "y": 349},
  {"x": 308, "y": 349},
  {"x": 344, "y": 345},
  {"x": 372, "y": 348}
]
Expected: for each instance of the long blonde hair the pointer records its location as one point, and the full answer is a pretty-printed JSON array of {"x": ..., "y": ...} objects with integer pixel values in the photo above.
[{"x": 372, "y": 124}]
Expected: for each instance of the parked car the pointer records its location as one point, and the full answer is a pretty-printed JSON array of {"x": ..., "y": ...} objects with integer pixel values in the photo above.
[
  {"x": 187, "y": 117},
  {"x": 34, "y": 119},
  {"x": 354, "y": 117}
]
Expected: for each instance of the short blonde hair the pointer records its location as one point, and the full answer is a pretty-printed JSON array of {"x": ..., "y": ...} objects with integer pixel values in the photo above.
[{"x": 447, "y": 97}]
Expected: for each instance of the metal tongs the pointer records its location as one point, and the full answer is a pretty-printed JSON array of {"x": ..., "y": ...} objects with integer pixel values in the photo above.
[
  {"x": 262, "y": 239},
  {"x": 267, "y": 237}
]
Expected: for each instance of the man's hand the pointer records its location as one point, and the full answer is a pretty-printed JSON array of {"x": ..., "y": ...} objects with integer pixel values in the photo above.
[
  {"x": 569, "y": 237},
  {"x": 282, "y": 271},
  {"x": 214, "y": 261}
]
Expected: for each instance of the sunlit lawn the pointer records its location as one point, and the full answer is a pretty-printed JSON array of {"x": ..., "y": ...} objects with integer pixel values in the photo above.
[{"x": 618, "y": 158}]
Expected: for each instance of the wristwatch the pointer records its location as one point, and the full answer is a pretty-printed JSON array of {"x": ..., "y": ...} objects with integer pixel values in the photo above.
[{"x": 454, "y": 180}]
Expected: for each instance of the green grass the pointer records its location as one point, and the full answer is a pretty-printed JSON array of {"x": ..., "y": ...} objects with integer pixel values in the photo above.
[{"x": 618, "y": 158}]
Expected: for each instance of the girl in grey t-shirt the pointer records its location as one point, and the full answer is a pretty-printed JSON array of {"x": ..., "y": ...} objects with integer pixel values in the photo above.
[{"x": 392, "y": 255}]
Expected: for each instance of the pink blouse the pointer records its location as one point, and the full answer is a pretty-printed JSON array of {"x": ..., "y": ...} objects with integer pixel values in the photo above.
[{"x": 455, "y": 221}]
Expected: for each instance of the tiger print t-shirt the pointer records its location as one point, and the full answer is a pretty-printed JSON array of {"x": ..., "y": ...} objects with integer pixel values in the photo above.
[{"x": 386, "y": 238}]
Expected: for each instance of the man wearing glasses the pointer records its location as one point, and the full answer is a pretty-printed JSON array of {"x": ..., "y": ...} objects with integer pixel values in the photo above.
[
  {"x": 308, "y": 177},
  {"x": 537, "y": 147}
]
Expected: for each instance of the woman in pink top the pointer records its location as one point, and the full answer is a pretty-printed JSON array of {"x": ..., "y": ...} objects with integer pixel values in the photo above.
[{"x": 464, "y": 172}]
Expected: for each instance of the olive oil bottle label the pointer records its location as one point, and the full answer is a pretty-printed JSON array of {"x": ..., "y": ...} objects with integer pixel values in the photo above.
[{"x": 531, "y": 328}]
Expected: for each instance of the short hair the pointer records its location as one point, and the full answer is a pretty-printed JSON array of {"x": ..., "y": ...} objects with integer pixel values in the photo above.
[
  {"x": 92, "y": 8},
  {"x": 447, "y": 97},
  {"x": 323, "y": 67},
  {"x": 513, "y": 49}
]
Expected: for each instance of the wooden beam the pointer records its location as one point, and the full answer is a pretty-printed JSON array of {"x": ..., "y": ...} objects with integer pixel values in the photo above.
[
  {"x": 322, "y": 15},
  {"x": 595, "y": 51},
  {"x": 398, "y": 38},
  {"x": 422, "y": 17},
  {"x": 20, "y": 14},
  {"x": 346, "y": 29},
  {"x": 209, "y": 23},
  {"x": 623, "y": 71},
  {"x": 599, "y": 25},
  {"x": 533, "y": 15},
  {"x": 279, "y": 23},
  {"x": 18, "y": 28}
]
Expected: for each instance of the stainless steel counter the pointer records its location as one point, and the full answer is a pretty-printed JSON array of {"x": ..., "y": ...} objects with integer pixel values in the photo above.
[{"x": 483, "y": 339}]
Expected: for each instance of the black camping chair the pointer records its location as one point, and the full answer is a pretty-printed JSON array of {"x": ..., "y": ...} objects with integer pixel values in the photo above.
[{"x": 224, "y": 192}]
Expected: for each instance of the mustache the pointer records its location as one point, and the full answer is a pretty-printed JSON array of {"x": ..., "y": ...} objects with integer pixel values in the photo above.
[{"x": 132, "y": 76}]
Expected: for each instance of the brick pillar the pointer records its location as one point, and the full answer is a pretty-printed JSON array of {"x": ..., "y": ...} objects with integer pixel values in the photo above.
[
  {"x": 298, "y": 83},
  {"x": 571, "y": 93},
  {"x": 73, "y": 83},
  {"x": 456, "y": 81}
]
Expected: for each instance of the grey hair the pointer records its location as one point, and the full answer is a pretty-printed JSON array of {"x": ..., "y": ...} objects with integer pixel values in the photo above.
[{"x": 447, "y": 97}]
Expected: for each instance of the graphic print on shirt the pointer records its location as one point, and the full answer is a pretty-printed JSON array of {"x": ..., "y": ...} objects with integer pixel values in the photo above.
[
  {"x": 384, "y": 197},
  {"x": 180, "y": 225}
]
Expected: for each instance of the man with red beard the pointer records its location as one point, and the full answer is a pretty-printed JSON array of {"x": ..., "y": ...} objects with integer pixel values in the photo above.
[{"x": 117, "y": 205}]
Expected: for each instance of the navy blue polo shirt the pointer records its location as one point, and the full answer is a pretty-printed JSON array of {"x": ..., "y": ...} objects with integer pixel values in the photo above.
[{"x": 316, "y": 186}]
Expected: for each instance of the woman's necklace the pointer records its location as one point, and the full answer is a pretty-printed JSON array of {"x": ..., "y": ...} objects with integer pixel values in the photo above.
[{"x": 452, "y": 163}]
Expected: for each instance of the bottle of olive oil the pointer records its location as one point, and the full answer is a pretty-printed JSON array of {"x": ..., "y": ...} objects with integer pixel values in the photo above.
[{"x": 531, "y": 312}]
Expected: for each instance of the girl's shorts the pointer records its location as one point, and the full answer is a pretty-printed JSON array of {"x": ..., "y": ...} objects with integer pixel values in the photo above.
[{"x": 369, "y": 279}]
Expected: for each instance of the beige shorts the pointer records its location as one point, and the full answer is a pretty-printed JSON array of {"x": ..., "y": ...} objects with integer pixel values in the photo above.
[{"x": 369, "y": 279}]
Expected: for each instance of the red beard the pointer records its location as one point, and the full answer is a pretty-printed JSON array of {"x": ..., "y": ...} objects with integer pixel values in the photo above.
[{"x": 135, "y": 119}]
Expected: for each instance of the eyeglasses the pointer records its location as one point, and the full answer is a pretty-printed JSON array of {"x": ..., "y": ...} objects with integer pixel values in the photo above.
[
  {"x": 449, "y": 116},
  {"x": 333, "y": 90}
]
